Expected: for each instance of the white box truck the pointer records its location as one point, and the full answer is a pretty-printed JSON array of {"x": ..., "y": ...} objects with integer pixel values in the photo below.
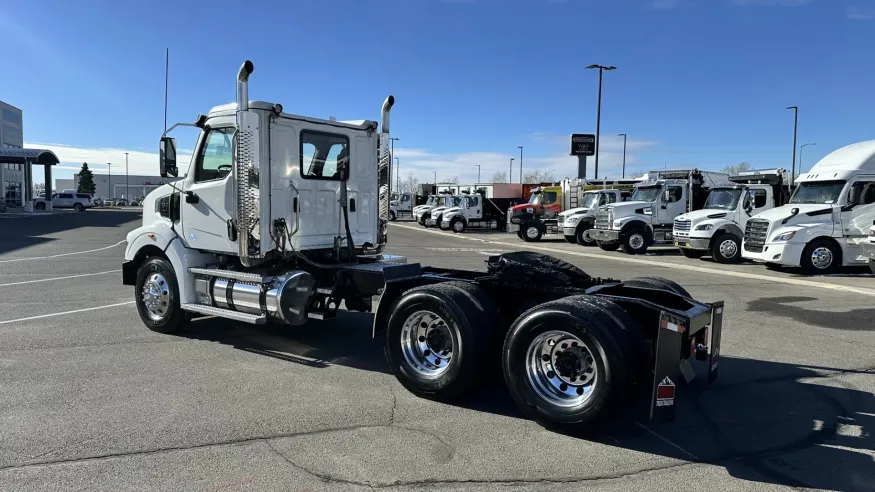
[
  {"x": 827, "y": 219},
  {"x": 718, "y": 228}
]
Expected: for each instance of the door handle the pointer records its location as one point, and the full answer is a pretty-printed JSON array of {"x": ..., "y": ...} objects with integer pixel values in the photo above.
[{"x": 191, "y": 197}]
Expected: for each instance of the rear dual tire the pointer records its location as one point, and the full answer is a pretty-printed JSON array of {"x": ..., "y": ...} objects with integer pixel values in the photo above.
[{"x": 872, "y": 265}]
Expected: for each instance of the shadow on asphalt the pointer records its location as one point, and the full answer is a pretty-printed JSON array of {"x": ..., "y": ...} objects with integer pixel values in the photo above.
[
  {"x": 789, "y": 307},
  {"x": 23, "y": 232},
  {"x": 763, "y": 421}
]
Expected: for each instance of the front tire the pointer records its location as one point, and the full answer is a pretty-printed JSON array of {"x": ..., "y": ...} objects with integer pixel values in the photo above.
[
  {"x": 692, "y": 253},
  {"x": 157, "y": 297},
  {"x": 40, "y": 206},
  {"x": 532, "y": 233},
  {"x": 78, "y": 207},
  {"x": 634, "y": 242},
  {"x": 391, "y": 216},
  {"x": 437, "y": 339},
  {"x": 726, "y": 248},
  {"x": 425, "y": 219},
  {"x": 583, "y": 237},
  {"x": 570, "y": 364},
  {"x": 611, "y": 246},
  {"x": 457, "y": 225},
  {"x": 872, "y": 265},
  {"x": 821, "y": 257}
]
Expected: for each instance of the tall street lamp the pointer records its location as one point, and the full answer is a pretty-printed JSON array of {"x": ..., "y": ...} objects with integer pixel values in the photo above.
[
  {"x": 478, "y": 173},
  {"x": 509, "y": 180},
  {"x": 521, "y": 165},
  {"x": 127, "y": 182},
  {"x": 624, "y": 152},
  {"x": 392, "y": 153},
  {"x": 398, "y": 170},
  {"x": 109, "y": 166},
  {"x": 435, "y": 179},
  {"x": 800, "y": 154},
  {"x": 598, "y": 121},
  {"x": 795, "y": 127}
]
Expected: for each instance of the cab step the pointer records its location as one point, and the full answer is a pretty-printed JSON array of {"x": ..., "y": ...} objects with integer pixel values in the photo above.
[
  {"x": 255, "y": 319},
  {"x": 231, "y": 274}
]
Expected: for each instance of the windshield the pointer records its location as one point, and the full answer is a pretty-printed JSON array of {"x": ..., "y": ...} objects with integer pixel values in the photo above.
[
  {"x": 431, "y": 200},
  {"x": 818, "y": 192},
  {"x": 591, "y": 200},
  {"x": 724, "y": 199},
  {"x": 646, "y": 193},
  {"x": 535, "y": 198}
]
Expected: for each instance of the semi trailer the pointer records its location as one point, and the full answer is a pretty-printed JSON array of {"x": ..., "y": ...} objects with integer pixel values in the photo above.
[
  {"x": 284, "y": 218},
  {"x": 718, "y": 228},
  {"x": 826, "y": 220}
]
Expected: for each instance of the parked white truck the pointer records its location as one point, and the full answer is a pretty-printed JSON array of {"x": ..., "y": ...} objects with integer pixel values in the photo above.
[
  {"x": 576, "y": 223},
  {"x": 284, "y": 218},
  {"x": 436, "y": 214},
  {"x": 827, "y": 219},
  {"x": 648, "y": 217},
  {"x": 718, "y": 229},
  {"x": 423, "y": 212}
]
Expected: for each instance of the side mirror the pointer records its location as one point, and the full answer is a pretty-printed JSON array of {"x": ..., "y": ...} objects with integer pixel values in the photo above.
[
  {"x": 666, "y": 196},
  {"x": 748, "y": 202},
  {"x": 167, "y": 151}
]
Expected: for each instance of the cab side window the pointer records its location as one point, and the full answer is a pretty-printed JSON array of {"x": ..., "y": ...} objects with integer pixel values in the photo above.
[
  {"x": 323, "y": 155},
  {"x": 675, "y": 193},
  {"x": 550, "y": 197},
  {"x": 864, "y": 191},
  {"x": 473, "y": 201},
  {"x": 759, "y": 198},
  {"x": 214, "y": 159}
]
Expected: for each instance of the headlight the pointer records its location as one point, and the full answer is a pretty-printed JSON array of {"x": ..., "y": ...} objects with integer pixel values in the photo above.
[
  {"x": 515, "y": 220},
  {"x": 704, "y": 227},
  {"x": 572, "y": 220},
  {"x": 618, "y": 223},
  {"x": 785, "y": 236},
  {"x": 530, "y": 210}
]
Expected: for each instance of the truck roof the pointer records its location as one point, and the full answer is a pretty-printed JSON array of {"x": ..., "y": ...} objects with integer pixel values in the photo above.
[
  {"x": 228, "y": 109},
  {"x": 843, "y": 163}
]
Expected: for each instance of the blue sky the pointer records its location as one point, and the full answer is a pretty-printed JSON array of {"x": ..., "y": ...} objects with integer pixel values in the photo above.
[{"x": 699, "y": 82}]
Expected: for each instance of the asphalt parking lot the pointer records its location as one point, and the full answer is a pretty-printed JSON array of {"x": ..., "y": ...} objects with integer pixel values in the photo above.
[{"x": 92, "y": 400}]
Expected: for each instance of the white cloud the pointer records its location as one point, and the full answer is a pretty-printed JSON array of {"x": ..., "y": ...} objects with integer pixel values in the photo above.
[
  {"x": 665, "y": 4},
  {"x": 859, "y": 13},
  {"x": 139, "y": 162}
]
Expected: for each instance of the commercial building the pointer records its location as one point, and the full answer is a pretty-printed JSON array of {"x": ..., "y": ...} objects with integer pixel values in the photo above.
[
  {"x": 117, "y": 185},
  {"x": 12, "y": 175}
]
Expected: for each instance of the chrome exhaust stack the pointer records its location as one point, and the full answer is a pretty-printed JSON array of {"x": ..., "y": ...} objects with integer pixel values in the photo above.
[
  {"x": 245, "y": 173},
  {"x": 384, "y": 176}
]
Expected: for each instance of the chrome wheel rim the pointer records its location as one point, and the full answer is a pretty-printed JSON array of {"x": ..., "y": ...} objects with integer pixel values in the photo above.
[
  {"x": 457, "y": 226},
  {"x": 532, "y": 232},
  {"x": 156, "y": 296},
  {"x": 427, "y": 344},
  {"x": 560, "y": 368},
  {"x": 636, "y": 241},
  {"x": 821, "y": 258},
  {"x": 586, "y": 237},
  {"x": 728, "y": 248}
]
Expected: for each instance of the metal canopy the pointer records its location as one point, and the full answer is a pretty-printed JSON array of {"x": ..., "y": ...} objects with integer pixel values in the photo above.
[{"x": 32, "y": 156}]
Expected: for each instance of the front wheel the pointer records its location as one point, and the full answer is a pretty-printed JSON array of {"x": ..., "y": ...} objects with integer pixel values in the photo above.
[
  {"x": 611, "y": 246},
  {"x": 872, "y": 265},
  {"x": 634, "y": 242},
  {"x": 391, "y": 216},
  {"x": 820, "y": 257},
  {"x": 457, "y": 225},
  {"x": 425, "y": 219},
  {"x": 40, "y": 206},
  {"x": 583, "y": 236},
  {"x": 157, "y": 297},
  {"x": 570, "y": 364},
  {"x": 726, "y": 248},
  {"x": 532, "y": 233},
  {"x": 78, "y": 207}
]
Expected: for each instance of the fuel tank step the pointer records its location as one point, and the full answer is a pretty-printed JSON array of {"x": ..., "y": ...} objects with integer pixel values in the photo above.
[
  {"x": 254, "y": 319},
  {"x": 231, "y": 274}
]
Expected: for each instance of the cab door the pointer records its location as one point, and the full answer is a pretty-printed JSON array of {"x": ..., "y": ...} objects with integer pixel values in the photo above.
[
  {"x": 207, "y": 199},
  {"x": 858, "y": 215},
  {"x": 474, "y": 208},
  {"x": 673, "y": 202}
]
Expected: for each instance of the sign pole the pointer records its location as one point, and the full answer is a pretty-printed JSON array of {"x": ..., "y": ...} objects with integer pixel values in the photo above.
[{"x": 581, "y": 166}]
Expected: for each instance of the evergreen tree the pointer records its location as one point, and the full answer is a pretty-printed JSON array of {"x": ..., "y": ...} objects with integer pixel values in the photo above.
[{"x": 86, "y": 180}]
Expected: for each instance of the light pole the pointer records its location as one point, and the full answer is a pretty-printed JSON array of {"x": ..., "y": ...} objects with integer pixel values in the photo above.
[
  {"x": 795, "y": 127},
  {"x": 435, "y": 179},
  {"x": 478, "y": 173},
  {"x": 598, "y": 120},
  {"x": 509, "y": 180},
  {"x": 397, "y": 169},
  {"x": 800, "y": 154},
  {"x": 392, "y": 153},
  {"x": 109, "y": 166},
  {"x": 127, "y": 182},
  {"x": 624, "y": 152},
  {"x": 521, "y": 166}
]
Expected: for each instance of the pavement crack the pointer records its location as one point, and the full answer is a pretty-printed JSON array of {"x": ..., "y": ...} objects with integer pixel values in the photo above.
[
  {"x": 320, "y": 476},
  {"x": 394, "y": 404}
]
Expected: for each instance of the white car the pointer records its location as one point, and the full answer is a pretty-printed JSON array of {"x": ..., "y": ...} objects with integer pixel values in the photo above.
[{"x": 66, "y": 199}]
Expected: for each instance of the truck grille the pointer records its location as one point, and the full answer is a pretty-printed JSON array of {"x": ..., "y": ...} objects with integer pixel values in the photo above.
[
  {"x": 682, "y": 226},
  {"x": 603, "y": 220},
  {"x": 755, "y": 235}
]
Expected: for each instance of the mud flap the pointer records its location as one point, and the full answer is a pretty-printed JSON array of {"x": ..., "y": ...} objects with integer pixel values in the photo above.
[
  {"x": 667, "y": 369},
  {"x": 716, "y": 330}
]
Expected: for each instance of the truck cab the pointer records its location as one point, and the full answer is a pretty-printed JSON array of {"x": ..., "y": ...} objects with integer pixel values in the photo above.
[
  {"x": 539, "y": 216},
  {"x": 718, "y": 229},
  {"x": 577, "y": 222},
  {"x": 400, "y": 205},
  {"x": 422, "y": 212},
  {"x": 435, "y": 214},
  {"x": 827, "y": 218},
  {"x": 647, "y": 218}
]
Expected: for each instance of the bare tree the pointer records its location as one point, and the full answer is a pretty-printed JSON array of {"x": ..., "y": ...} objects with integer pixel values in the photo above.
[
  {"x": 39, "y": 188},
  {"x": 736, "y": 169},
  {"x": 499, "y": 177},
  {"x": 409, "y": 184},
  {"x": 636, "y": 175},
  {"x": 536, "y": 176},
  {"x": 451, "y": 180}
]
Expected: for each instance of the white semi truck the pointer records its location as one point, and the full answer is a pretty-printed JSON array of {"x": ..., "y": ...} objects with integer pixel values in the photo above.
[
  {"x": 648, "y": 217},
  {"x": 576, "y": 223},
  {"x": 827, "y": 219},
  {"x": 718, "y": 228},
  {"x": 435, "y": 215},
  {"x": 284, "y": 218},
  {"x": 422, "y": 213}
]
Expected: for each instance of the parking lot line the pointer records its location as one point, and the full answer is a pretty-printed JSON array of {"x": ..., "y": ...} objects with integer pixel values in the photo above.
[
  {"x": 65, "y": 312},
  {"x": 58, "y": 278},
  {"x": 675, "y": 266},
  {"x": 64, "y": 254}
]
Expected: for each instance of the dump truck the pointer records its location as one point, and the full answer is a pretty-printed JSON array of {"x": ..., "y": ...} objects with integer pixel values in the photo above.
[{"x": 284, "y": 218}]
